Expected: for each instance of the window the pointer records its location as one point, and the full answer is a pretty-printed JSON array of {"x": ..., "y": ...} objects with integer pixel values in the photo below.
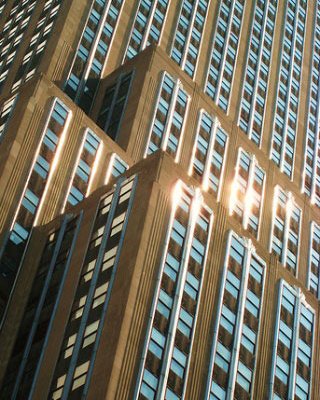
[
  {"x": 292, "y": 369},
  {"x": 254, "y": 91},
  {"x": 172, "y": 322},
  {"x": 235, "y": 341},
  {"x": 147, "y": 26},
  {"x": 119, "y": 166},
  {"x": 12, "y": 34},
  {"x": 188, "y": 34},
  {"x": 5, "y": 114},
  {"x": 285, "y": 229},
  {"x": 83, "y": 173},
  {"x": 209, "y": 153},
  {"x": 314, "y": 260},
  {"x": 92, "y": 52},
  {"x": 169, "y": 118},
  {"x": 224, "y": 52},
  {"x": 83, "y": 331},
  {"x": 80, "y": 375},
  {"x": 311, "y": 177},
  {"x": 35, "y": 188},
  {"x": 116, "y": 167},
  {"x": 40, "y": 309},
  {"x": 286, "y": 112},
  {"x": 34, "y": 51},
  {"x": 113, "y": 105},
  {"x": 247, "y": 192}
]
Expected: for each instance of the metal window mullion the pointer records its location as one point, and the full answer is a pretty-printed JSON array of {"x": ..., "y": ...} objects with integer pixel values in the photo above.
[
  {"x": 53, "y": 164},
  {"x": 276, "y": 339},
  {"x": 39, "y": 309},
  {"x": 114, "y": 100},
  {"x": 108, "y": 294},
  {"x": 13, "y": 99},
  {"x": 249, "y": 188},
  {"x": 295, "y": 344},
  {"x": 189, "y": 32},
  {"x": 223, "y": 58},
  {"x": 275, "y": 204},
  {"x": 286, "y": 228},
  {"x": 176, "y": 306},
  {"x": 315, "y": 133},
  {"x": 148, "y": 26},
  {"x": 109, "y": 169},
  {"x": 154, "y": 303},
  {"x": 77, "y": 229},
  {"x": 234, "y": 61},
  {"x": 261, "y": 202},
  {"x": 177, "y": 156},
  {"x": 164, "y": 21},
  {"x": 197, "y": 306},
  {"x": 34, "y": 162},
  {"x": 94, "y": 167},
  {"x": 318, "y": 283},
  {"x": 195, "y": 144},
  {"x": 311, "y": 250},
  {"x": 316, "y": 155},
  {"x": 317, "y": 127},
  {"x": 308, "y": 306},
  {"x": 212, "y": 47},
  {"x": 167, "y": 127},
  {"x": 74, "y": 172},
  {"x": 77, "y": 50},
  {"x": 233, "y": 199},
  {"x": 261, "y": 262},
  {"x": 34, "y": 50},
  {"x": 90, "y": 295},
  {"x": 200, "y": 44},
  {"x": 92, "y": 50},
  {"x": 125, "y": 102},
  {"x": 224, "y": 156},
  {"x": 239, "y": 319},
  {"x": 207, "y": 167},
  {"x": 289, "y": 86},
  {"x": 298, "y": 244},
  {"x": 4, "y": 314},
  {"x": 256, "y": 82},
  {"x": 13, "y": 18},
  {"x": 301, "y": 68},
  {"x": 155, "y": 114},
  {"x": 8, "y": 51},
  {"x": 219, "y": 312},
  {"x": 41, "y": 200},
  {"x": 125, "y": 55},
  {"x": 111, "y": 37}
]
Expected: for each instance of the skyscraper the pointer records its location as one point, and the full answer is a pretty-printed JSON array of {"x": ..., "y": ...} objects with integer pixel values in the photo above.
[{"x": 159, "y": 199}]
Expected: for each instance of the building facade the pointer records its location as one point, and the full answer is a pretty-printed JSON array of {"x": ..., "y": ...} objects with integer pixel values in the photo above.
[{"x": 159, "y": 199}]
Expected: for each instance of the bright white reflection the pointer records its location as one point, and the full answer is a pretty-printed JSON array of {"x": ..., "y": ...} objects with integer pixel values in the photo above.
[
  {"x": 94, "y": 168},
  {"x": 248, "y": 204},
  {"x": 196, "y": 206},
  {"x": 56, "y": 160},
  {"x": 289, "y": 206},
  {"x": 205, "y": 184},
  {"x": 109, "y": 170},
  {"x": 176, "y": 194},
  {"x": 233, "y": 196}
]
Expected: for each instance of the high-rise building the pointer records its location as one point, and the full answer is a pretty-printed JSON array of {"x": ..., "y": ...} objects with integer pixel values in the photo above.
[{"x": 159, "y": 199}]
